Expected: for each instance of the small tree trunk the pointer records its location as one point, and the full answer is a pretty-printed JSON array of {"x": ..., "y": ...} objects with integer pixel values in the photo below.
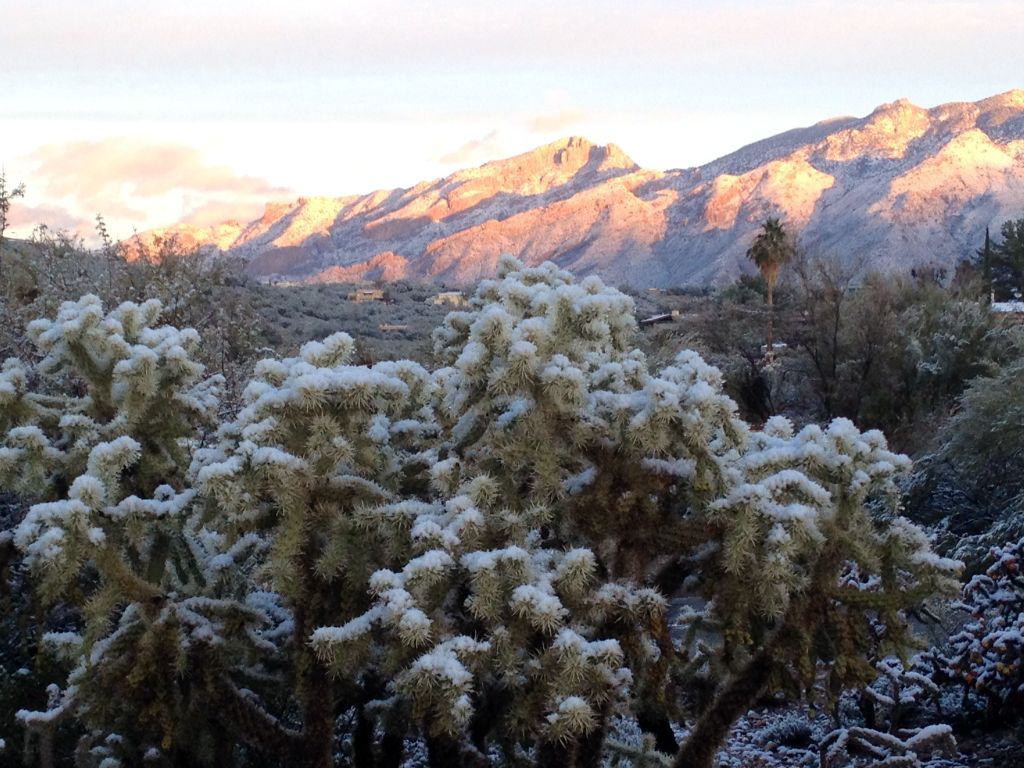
[
  {"x": 392, "y": 749},
  {"x": 442, "y": 752},
  {"x": 591, "y": 746},
  {"x": 362, "y": 742},
  {"x": 555, "y": 754},
  {"x": 659, "y": 726},
  {"x": 731, "y": 703},
  {"x": 46, "y": 751},
  {"x": 770, "y": 352},
  {"x": 315, "y": 691},
  {"x": 223, "y": 749},
  {"x": 318, "y": 721}
]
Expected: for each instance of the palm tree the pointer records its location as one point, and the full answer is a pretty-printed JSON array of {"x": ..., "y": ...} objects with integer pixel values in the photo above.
[{"x": 772, "y": 248}]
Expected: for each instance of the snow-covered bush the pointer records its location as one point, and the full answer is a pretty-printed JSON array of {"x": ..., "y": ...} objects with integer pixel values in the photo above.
[
  {"x": 196, "y": 289},
  {"x": 902, "y": 688},
  {"x": 791, "y": 730},
  {"x": 911, "y": 749},
  {"x": 987, "y": 655},
  {"x": 980, "y": 460},
  {"x": 480, "y": 556}
]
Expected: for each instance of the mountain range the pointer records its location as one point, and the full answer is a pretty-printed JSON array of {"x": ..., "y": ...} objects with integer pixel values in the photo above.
[{"x": 902, "y": 186}]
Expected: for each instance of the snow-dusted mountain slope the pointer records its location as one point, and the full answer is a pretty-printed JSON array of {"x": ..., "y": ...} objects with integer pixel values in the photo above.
[{"x": 902, "y": 186}]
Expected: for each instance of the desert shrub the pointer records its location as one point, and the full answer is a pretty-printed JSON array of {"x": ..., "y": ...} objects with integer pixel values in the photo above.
[
  {"x": 791, "y": 730},
  {"x": 748, "y": 289},
  {"x": 888, "y": 351},
  {"x": 891, "y": 352},
  {"x": 902, "y": 720},
  {"x": 906, "y": 750},
  {"x": 972, "y": 486},
  {"x": 901, "y": 691},
  {"x": 196, "y": 289},
  {"x": 987, "y": 655}
]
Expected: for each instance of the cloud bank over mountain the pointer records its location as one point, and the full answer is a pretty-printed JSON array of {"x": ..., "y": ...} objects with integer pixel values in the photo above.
[{"x": 126, "y": 178}]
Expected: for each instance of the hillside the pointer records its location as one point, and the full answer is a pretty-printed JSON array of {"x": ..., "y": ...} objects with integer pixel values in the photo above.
[{"x": 901, "y": 186}]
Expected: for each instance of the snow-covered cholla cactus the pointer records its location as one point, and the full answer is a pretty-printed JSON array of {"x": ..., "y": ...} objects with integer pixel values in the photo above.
[
  {"x": 812, "y": 525},
  {"x": 812, "y": 564},
  {"x": 490, "y": 641},
  {"x": 987, "y": 655},
  {"x": 507, "y": 621},
  {"x": 99, "y": 433},
  {"x": 558, "y": 442},
  {"x": 481, "y": 555},
  {"x": 317, "y": 442},
  {"x": 546, "y": 396}
]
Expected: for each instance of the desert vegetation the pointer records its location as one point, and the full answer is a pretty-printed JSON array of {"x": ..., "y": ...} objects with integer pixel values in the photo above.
[{"x": 244, "y": 524}]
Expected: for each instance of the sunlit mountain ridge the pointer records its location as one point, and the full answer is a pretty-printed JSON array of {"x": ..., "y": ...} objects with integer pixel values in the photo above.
[{"x": 902, "y": 186}]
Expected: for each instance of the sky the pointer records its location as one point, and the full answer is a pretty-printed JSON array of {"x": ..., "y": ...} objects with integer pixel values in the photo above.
[{"x": 153, "y": 112}]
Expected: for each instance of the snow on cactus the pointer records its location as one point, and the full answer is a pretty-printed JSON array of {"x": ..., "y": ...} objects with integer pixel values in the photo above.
[
  {"x": 559, "y": 439},
  {"x": 99, "y": 433},
  {"x": 544, "y": 405},
  {"x": 813, "y": 515},
  {"x": 106, "y": 462},
  {"x": 812, "y": 566},
  {"x": 480, "y": 555},
  {"x": 317, "y": 443}
]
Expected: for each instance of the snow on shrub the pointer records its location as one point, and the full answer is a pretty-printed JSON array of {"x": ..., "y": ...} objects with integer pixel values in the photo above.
[{"x": 987, "y": 655}]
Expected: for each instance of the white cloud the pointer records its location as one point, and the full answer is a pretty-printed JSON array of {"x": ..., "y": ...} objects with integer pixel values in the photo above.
[
  {"x": 230, "y": 38},
  {"x": 475, "y": 151},
  {"x": 557, "y": 121},
  {"x": 24, "y": 218},
  {"x": 134, "y": 183}
]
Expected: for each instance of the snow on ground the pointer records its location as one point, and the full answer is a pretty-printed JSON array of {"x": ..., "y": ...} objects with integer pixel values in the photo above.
[{"x": 1008, "y": 307}]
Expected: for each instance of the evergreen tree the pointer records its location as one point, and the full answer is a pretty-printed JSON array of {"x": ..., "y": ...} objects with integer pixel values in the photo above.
[
  {"x": 985, "y": 259},
  {"x": 1007, "y": 259}
]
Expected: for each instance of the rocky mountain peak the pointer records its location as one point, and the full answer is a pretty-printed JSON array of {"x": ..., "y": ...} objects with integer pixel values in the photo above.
[
  {"x": 902, "y": 104},
  {"x": 571, "y": 154},
  {"x": 1012, "y": 99},
  {"x": 573, "y": 159},
  {"x": 900, "y": 186},
  {"x": 884, "y": 134},
  {"x": 274, "y": 211}
]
